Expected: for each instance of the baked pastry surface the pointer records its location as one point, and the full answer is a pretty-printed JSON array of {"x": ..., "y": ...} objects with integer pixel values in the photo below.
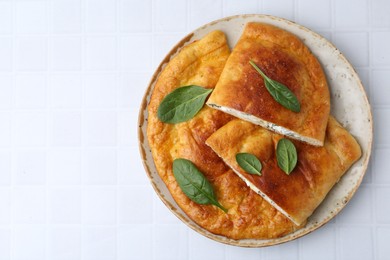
[
  {"x": 283, "y": 57},
  {"x": 249, "y": 215},
  {"x": 296, "y": 195}
]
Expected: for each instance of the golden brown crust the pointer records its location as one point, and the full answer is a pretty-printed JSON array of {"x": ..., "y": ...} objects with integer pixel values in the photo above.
[
  {"x": 284, "y": 58},
  {"x": 249, "y": 216},
  {"x": 317, "y": 170}
]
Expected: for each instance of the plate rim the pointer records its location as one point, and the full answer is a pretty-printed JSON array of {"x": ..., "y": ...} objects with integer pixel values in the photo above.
[{"x": 250, "y": 243}]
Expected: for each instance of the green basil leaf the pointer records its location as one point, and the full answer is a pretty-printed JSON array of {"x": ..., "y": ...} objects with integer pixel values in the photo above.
[
  {"x": 286, "y": 155},
  {"x": 249, "y": 163},
  {"x": 279, "y": 92},
  {"x": 182, "y": 104},
  {"x": 193, "y": 183}
]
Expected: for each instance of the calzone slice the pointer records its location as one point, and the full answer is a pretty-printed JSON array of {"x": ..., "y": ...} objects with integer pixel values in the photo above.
[
  {"x": 248, "y": 215},
  {"x": 296, "y": 195},
  {"x": 283, "y": 57}
]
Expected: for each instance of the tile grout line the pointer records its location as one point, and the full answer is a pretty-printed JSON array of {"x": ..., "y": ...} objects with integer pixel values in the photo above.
[
  {"x": 13, "y": 139},
  {"x": 372, "y": 99},
  {"x": 48, "y": 132},
  {"x": 153, "y": 41},
  {"x": 116, "y": 85},
  {"x": 82, "y": 115}
]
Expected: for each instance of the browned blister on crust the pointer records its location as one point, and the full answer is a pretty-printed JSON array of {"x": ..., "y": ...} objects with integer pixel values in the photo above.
[
  {"x": 249, "y": 216},
  {"x": 296, "y": 195},
  {"x": 283, "y": 57}
]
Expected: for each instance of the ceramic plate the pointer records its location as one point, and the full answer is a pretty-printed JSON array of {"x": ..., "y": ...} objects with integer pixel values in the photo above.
[{"x": 349, "y": 105}]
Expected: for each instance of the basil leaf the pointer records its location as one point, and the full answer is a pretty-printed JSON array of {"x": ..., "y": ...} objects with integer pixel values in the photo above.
[
  {"x": 193, "y": 183},
  {"x": 249, "y": 163},
  {"x": 286, "y": 155},
  {"x": 182, "y": 104},
  {"x": 279, "y": 92}
]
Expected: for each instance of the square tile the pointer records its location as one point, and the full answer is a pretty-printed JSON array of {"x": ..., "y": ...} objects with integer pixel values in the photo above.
[
  {"x": 65, "y": 16},
  {"x": 64, "y": 167},
  {"x": 65, "y": 90},
  {"x": 171, "y": 15},
  {"x": 101, "y": 53},
  {"x": 204, "y": 11},
  {"x": 64, "y": 243},
  {"x": 359, "y": 209},
  {"x": 30, "y": 167},
  {"x": 162, "y": 44},
  {"x": 281, "y": 8},
  {"x": 382, "y": 243},
  {"x": 99, "y": 243},
  {"x": 162, "y": 213},
  {"x": 29, "y": 205},
  {"x": 357, "y": 54},
  {"x": 5, "y": 244},
  {"x": 5, "y": 207},
  {"x": 5, "y": 168},
  {"x": 198, "y": 243},
  {"x": 132, "y": 89},
  {"x": 380, "y": 165},
  {"x": 99, "y": 206},
  {"x": 101, "y": 16},
  {"x": 6, "y": 47},
  {"x": 381, "y": 54},
  {"x": 131, "y": 242},
  {"x": 233, "y": 7},
  {"x": 379, "y": 13},
  {"x": 127, "y": 127},
  {"x": 6, "y": 91},
  {"x": 65, "y": 53},
  {"x": 128, "y": 200},
  {"x": 65, "y": 205},
  {"x": 381, "y": 116},
  {"x": 381, "y": 198},
  {"x": 30, "y": 90},
  {"x": 31, "y": 53},
  {"x": 164, "y": 235},
  {"x": 284, "y": 251},
  {"x": 29, "y": 128},
  {"x": 29, "y": 242},
  {"x": 100, "y": 90},
  {"x": 322, "y": 240},
  {"x": 379, "y": 79},
  {"x": 66, "y": 128},
  {"x": 351, "y": 13},
  {"x": 100, "y": 166},
  {"x": 356, "y": 243},
  {"x": 130, "y": 168},
  {"x": 135, "y": 19},
  {"x": 233, "y": 253},
  {"x": 5, "y": 128},
  {"x": 6, "y": 15},
  {"x": 31, "y": 16},
  {"x": 100, "y": 128},
  {"x": 307, "y": 17},
  {"x": 135, "y": 52}
]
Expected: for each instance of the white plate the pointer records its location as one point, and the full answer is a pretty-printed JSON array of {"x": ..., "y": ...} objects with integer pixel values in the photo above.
[{"x": 349, "y": 105}]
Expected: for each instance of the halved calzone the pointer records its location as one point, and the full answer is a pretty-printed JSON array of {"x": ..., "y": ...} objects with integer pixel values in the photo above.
[
  {"x": 284, "y": 58},
  {"x": 296, "y": 195}
]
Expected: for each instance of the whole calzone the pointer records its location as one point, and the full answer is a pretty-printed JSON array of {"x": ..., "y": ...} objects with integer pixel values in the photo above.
[
  {"x": 284, "y": 58},
  {"x": 248, "y": 215}
]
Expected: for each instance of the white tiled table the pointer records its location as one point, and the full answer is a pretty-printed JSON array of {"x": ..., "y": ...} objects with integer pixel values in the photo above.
[{"x": 72, "y": 75}]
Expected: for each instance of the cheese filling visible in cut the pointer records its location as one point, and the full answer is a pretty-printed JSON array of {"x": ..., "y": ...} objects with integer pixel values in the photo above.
[
  {"x": 271, "y": 126},
  {"x": 268, "y": 199}
]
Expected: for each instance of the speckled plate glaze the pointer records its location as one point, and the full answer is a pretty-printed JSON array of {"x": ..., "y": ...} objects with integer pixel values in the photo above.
[{"x": 349, "y": 105}]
